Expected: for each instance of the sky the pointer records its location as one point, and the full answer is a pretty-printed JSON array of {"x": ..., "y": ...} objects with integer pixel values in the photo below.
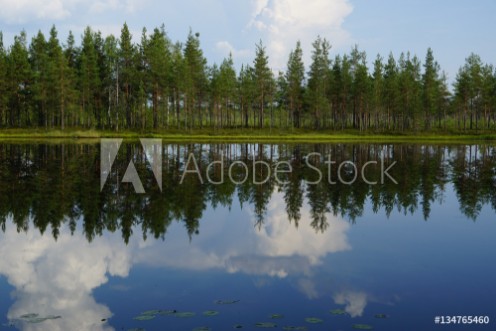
[{"x": 453, "y": 28}]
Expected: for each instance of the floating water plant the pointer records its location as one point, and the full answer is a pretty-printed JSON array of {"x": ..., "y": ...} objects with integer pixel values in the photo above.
[
  {"x": 362, "y": 327},
  {"x": 338, "y": 312},
  {"x": 36, "y": 318},
  {"x": 276, "y": 316},
  {"x": 237, "y": 326},
  {"x": 210, "y": 313},
  {"x": 299, "y": 328},
  {"x": 266, "y": 325},
  {"x": 144, "y": 317},
  {"x": 380, "y": 316},
  {"x": 167, "y": 312},
  {"x": 136, "y": 329},
  {"x": 313, "y": 320}
]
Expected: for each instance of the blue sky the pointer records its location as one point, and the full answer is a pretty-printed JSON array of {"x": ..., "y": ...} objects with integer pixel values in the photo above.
[{"x": 453, "y": 28}]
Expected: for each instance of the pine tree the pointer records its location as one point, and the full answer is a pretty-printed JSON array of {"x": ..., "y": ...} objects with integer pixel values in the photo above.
[
  {"x": 247, "y": 90},
  {"x": 282, "y": 99},
  {"x": 215, "y": 97},
  {"x": 89, "y": 78},
  {"x": 127, "y": 71},
  {"x": 360, "y": 87},
  {"x": 39, "y": 58},
  {"x": 72, "y": 54},
  {"x": 196, "y": 78},
  {"x": 19, "y": 78},
  {"x": 4, "y": 91},
  {"x": 378, "y": 92},
  {"x": 111, "y": 82},
  {"x": 60, "y": 84},
  {"x": 462, "y": 96},
  {"x": 295, "y": 77},
  {"x": 488, "y": 89},
  {"x": 409, "y": 86},
  {"x": 474, "y": 69},
  {"x": 263, "y": 81},
  {"x": 391, "y": 93},
  {"x": 157, "y": 65},
  {"x": 227, "y": 77},
  {"x": 176, "y": 78},
  {"x": 430, "y": 87},
  {"x": 318, "y": 77}
]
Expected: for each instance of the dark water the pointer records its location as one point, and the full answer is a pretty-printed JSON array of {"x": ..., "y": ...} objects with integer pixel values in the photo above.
[{"x": 416, "y": 244}]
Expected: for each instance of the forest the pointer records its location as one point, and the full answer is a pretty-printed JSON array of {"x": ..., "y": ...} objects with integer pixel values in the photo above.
[{"x": 111, "y": 83}]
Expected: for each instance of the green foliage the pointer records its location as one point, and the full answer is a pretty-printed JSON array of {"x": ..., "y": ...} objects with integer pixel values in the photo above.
[
  {"x": 114, "y": 84},
  {"x": 264, "y": 82},
  {"x": 318, "y": 81},
  {"x": 295, "y": 76}
]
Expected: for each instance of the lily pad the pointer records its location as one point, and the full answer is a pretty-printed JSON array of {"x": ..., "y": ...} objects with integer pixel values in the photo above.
[
  {"x": 167, "y": 312},
  {"x": 151, "y": 312},
  {"x": 225, "y": 302},
  {"x": 298, "y": 328},
  {"x": 362, "y": 327},
  {"x": 380, "y": 316},
  {"x": 313, "y": 320},
  {"x": 210, "y": 313},
  {"x": 184, "y": 314},
  {"x": 338, "y": 312},
  {"x": 276, "y": 316},
  {"x": 144, "y": 317},
  {"x": 266, "y": 325},
  {"x": 52, "y": 317},
  {"x": 202, "y": 328}
]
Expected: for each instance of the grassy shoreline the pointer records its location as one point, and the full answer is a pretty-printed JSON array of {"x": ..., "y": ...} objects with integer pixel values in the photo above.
[{"x": 251, "y": 135}]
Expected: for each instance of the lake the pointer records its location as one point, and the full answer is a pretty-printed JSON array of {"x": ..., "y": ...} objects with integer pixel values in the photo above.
[{"x": 247, "y": 236}]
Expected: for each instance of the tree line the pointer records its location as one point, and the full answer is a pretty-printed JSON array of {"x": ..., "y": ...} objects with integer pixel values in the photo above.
[{"x": 112, "y": 83}]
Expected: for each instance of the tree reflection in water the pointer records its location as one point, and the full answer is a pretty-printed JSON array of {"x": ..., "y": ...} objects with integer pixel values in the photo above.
[{"x": 50, "y": 184}]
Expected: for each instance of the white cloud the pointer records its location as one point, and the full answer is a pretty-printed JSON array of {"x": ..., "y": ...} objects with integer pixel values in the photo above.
[
  {"x": 22, "y": 11},
  {"x": 57, "y": 277},
  {"x": 355, "y": 302},
  {"x": 286, "y": 21},
  {"x": 307, "y": 286},
  {"x": 238, "y": 54},
  {"x": 278, "y": 249}
]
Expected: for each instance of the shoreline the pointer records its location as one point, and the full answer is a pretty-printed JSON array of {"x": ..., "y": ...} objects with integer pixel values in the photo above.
[{"x": 250, "y": 135}]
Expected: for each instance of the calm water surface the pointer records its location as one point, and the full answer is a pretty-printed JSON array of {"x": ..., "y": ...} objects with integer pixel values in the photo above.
[{"x": 85, "y": 259}]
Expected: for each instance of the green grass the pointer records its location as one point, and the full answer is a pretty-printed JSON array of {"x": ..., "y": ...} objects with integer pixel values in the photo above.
[{"x": 250, "y": 135}]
